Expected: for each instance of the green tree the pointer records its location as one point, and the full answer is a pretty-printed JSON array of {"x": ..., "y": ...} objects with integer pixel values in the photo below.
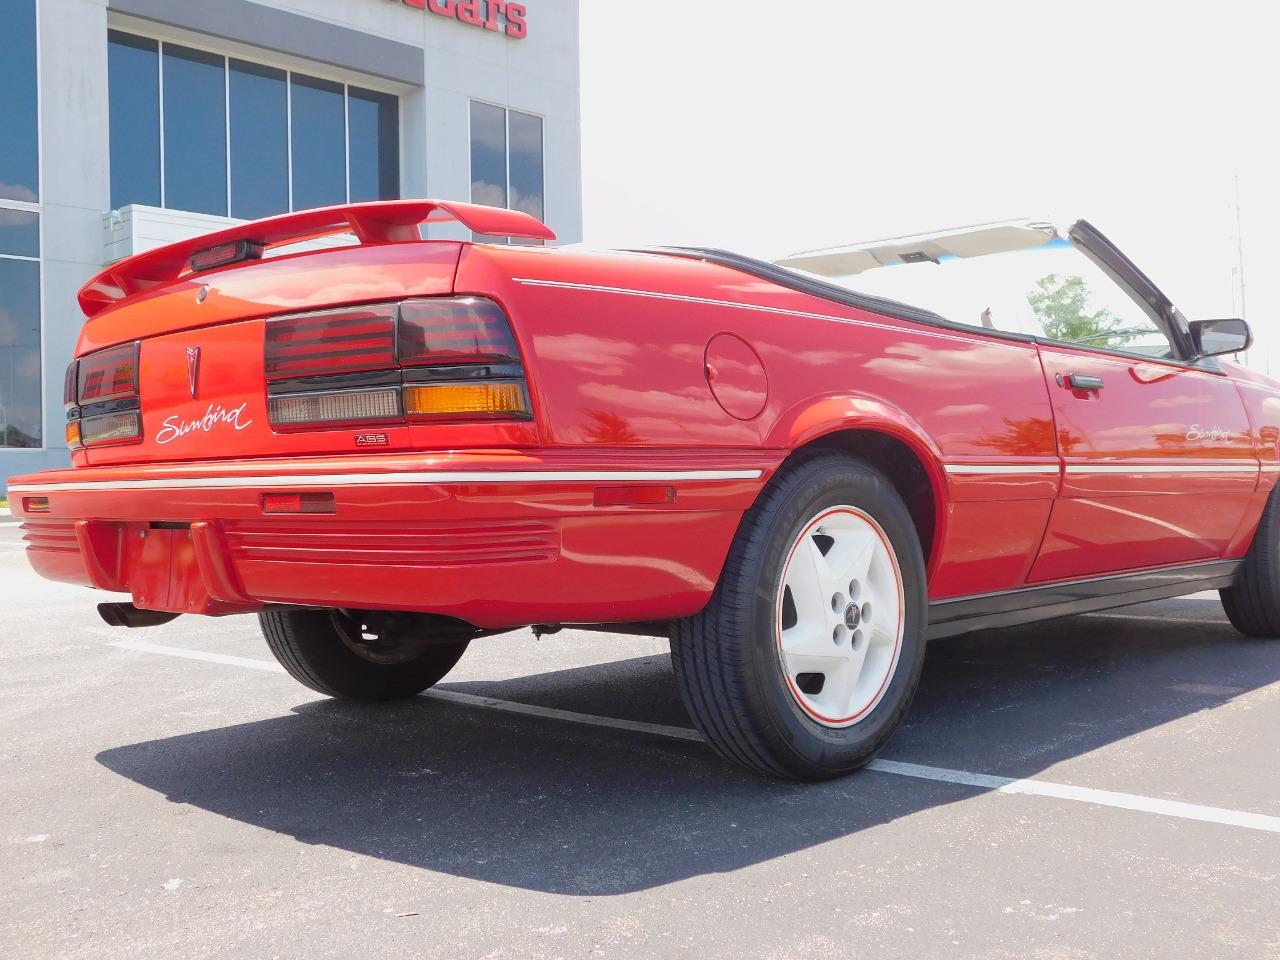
[{"x": 1061, "y": 304}]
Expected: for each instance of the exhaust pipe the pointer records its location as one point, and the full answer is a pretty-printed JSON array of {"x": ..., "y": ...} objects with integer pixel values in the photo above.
[{"x": 127, "y": 615}]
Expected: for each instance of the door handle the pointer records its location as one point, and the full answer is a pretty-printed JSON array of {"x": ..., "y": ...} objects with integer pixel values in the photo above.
[{"x": 1080, "y": 381}]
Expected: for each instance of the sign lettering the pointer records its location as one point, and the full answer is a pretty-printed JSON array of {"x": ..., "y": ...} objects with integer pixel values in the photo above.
[{"x": 480, "y": 13}]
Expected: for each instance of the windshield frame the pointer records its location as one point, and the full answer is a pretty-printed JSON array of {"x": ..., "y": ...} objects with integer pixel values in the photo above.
[{"x": 1082, "y": 236}]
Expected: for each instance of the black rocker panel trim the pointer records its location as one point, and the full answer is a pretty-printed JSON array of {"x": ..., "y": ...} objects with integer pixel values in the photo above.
[{"x": 1029, "y": 604}]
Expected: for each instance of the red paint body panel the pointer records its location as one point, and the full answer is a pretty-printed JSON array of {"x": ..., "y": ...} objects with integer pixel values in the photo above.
[
  {"x": 496, "y": 554},
  {"x": 1149, "y": 414},
  {"x": 637, "y": 365}
]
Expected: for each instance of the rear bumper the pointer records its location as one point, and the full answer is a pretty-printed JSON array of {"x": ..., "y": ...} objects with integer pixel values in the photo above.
[{"x": 495, "y": 538}]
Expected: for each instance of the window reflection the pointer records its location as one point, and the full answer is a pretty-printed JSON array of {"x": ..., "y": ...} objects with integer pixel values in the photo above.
[
  {"x": 506, "y": 161},
  {"x": 133, "y": 88},
  {"x": 343, "y": 142},
  {"x": 259, "y": 112},
  {"x": 195, "y": 130},
  {"x": 526, "y": 164},
  {"x": 19, "y": 233},
  {"x": 20, "y": 397},
  {"x": 19, "y": 146},
  {"x": 373, "y": 144},
  {"x": 488, "y": 155},
  {"x": 319, "y": 143}
]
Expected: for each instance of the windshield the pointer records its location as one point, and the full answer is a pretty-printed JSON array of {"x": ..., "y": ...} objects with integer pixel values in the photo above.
[{"x": 1018, "y": 278}]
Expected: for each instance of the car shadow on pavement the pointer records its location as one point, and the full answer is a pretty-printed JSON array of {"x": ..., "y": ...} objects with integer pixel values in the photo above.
[{"x": 572, "y": 809}]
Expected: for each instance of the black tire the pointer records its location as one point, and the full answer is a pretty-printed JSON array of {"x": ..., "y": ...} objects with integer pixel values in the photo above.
[
  {"x": 310, "y": 647},
  {"x": 1253, "y": 602},
  {"x": 726, "y": 657}
]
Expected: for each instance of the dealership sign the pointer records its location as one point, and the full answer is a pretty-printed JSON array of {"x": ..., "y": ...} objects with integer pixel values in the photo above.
[{"x": 480, "y": 13}]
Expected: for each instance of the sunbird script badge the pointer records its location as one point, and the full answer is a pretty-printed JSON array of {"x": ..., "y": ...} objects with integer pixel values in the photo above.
[{"x": 217, "y": 415}]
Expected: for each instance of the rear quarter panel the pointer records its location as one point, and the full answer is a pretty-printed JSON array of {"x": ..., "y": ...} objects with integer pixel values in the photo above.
[{"x": 617, "y": 346}]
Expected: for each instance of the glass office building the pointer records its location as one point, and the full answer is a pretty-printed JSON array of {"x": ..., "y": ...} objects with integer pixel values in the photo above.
[{"x": 133, "y": 123}]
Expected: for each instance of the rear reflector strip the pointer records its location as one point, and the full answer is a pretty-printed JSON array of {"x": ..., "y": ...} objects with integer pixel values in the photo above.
[
  {"x": 35, "y": 504},
  {"x": 627, "y": 496},
  {"x": 337, "y": 406},
  {"x": 298, "y": 503}
]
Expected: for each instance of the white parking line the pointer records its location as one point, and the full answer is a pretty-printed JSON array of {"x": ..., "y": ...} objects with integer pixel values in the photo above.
[{"x": 1039, "y": 788}]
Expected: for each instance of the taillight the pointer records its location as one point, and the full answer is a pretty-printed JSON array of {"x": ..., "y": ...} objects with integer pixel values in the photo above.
[
  {"x": 100, "y": 393},
  {"x": 332, "y": 341},
  {"x": 448, "y": 358},
  {"x": 69, "y": 384},
  {"x": 108, "y": 375},
  {"x": 455, "y": 330}
]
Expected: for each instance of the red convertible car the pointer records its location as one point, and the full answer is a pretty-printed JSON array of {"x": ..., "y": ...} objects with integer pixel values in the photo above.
[{"x": 799, "y": 471}]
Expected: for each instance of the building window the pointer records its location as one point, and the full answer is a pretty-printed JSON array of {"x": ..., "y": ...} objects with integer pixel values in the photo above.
[
  {"x": 259, "y": 110},
  {"x": 198, "y": 131},
  {"x": 195, "y": 130},
  {"x": 21, "y": 401},
  {"x": 507, "y": 159},
  {"x": 19, "y": 151}
]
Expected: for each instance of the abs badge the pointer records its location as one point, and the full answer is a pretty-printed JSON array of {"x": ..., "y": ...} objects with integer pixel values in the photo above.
[
  {"x": 372, "y": 440},
  {"x": 193, "y": 369}
]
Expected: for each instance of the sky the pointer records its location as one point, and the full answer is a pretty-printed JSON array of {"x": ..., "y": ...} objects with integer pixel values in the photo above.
[{"x": 772, "y": 127}]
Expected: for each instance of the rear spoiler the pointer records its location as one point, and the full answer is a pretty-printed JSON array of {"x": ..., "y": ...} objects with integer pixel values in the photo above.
[{"x": 390, "y": 221}]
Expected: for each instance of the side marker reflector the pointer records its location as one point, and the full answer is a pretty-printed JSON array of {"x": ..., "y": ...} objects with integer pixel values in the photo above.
[
  {"x": 631, "y": 495},
  {"x": 298, "y": 503}
]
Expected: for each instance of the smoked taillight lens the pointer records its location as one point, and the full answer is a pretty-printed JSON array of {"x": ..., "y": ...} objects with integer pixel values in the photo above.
[
  {"x": 427, "y": 359},
  {"x": 454, "y": 330},
  {"x": 332, "y": 341},
  {"x": 69, "y": 384},
  {"x": 108, "y": 375},
  {"x": 101, "y": 395}
]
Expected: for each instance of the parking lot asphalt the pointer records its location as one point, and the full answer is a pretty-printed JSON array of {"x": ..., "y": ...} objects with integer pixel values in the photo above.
[{"x": 169, "y": 793}]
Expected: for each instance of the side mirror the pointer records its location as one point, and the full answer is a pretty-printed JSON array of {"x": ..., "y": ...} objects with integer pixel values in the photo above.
[{"x": 1215, "y": 337}]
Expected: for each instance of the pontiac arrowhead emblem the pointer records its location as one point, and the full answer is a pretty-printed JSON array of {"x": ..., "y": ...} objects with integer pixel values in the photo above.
[{"x": 193, "y": 369}]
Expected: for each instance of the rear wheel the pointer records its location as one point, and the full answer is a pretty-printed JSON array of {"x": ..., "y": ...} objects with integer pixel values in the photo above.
[
  {"x": 1252, "y": 603},
  {"x": 351, "y": 656},
  {"x": 805, "y": 660}
]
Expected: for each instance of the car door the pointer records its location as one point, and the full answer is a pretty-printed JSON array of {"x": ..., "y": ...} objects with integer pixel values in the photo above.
[{"x": 1158, "y": 461}]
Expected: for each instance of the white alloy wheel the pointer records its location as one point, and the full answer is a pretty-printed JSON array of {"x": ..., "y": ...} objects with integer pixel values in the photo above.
[{"x": 840, "y": 616}]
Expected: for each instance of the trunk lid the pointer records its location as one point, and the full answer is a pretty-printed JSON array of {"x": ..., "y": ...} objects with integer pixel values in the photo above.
[{"x": 201, "y": 379}]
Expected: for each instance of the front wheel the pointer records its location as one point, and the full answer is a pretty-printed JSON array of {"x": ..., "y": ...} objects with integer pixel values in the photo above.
[
  {"x": 340, "y": 654},
  {"x": 805, "y": 660}
]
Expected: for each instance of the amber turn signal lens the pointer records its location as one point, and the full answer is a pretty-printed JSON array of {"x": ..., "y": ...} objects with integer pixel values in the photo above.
[
  {"x": 465, "y": 399},
  {"x": 73, "y": 433}
]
